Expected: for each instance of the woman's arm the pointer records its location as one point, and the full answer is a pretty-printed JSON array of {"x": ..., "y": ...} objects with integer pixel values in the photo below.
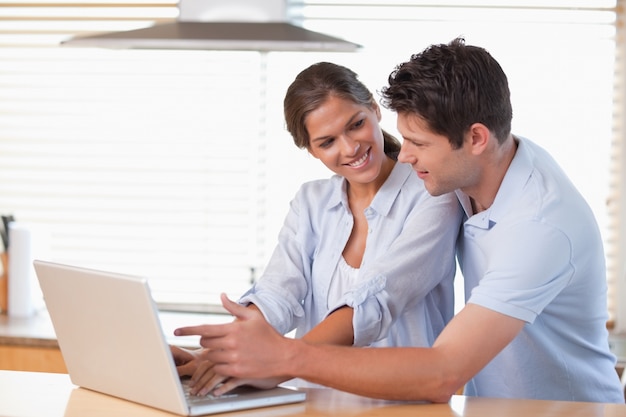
[{"x": 335, "y": 329}]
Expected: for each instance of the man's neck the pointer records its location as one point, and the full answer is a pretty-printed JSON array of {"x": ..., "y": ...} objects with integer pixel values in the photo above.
[{"x": 493, "y": 175}]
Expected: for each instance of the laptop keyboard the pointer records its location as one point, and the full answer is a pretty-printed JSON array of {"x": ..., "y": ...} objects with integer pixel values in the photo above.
[{"x": 191, "y": 399}]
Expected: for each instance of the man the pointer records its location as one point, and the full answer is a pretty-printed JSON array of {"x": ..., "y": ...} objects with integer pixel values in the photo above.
[{"x": 530, "y": 252}]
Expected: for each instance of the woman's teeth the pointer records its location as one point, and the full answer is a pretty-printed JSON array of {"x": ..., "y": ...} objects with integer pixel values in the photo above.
[{"x": 360, "y": 161}]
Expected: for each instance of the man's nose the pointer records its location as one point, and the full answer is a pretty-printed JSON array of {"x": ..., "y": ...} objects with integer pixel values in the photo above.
[{"x": 404, "y": 156}]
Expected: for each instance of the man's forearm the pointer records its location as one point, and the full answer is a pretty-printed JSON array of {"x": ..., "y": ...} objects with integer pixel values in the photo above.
[{"x": 391, "y": 373}]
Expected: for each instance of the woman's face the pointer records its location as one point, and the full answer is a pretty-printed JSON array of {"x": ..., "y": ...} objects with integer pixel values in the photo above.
[{"x": 347, "y": 138}]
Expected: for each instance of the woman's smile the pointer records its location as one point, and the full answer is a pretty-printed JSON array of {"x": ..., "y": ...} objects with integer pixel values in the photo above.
[{"x": 361, "y": 160}]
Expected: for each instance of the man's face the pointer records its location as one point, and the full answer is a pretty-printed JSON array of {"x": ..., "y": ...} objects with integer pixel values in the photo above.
[{"x": 442, "y": 168}]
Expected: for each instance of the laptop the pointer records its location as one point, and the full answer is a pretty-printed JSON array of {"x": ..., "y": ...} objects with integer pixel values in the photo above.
[{"x": 108, "y": 329}]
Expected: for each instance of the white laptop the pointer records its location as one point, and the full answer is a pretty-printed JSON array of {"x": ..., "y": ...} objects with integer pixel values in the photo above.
[{"x": 108, "y": 329}]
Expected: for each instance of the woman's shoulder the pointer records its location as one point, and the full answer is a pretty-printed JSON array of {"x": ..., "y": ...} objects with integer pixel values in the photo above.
[
  {"x": 321, "y": 189},
  {"x": 322, "y": 184},
  {"x": 413, "y": 188},
  {"x": 406, "y": 179}
]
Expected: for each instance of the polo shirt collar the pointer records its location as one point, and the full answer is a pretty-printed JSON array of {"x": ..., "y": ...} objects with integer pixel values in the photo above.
[{"x": 512, "y": 185}]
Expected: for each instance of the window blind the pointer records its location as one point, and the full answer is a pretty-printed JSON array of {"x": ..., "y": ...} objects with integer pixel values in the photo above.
[
  {"x": 142, "y": 162},
  {"x": 175, "y": 164}
]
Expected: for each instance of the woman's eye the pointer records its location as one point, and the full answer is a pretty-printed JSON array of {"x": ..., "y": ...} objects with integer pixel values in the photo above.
[
  {"x": 358, "y": 124},
  {"x": 326, "y": 143}
]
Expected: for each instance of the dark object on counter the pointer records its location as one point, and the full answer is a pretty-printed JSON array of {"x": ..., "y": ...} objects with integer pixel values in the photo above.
[{"x": 5, "y": 230}]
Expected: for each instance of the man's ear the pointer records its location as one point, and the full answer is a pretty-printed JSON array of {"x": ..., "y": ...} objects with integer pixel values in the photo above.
[{"x": 479, "y": 137}]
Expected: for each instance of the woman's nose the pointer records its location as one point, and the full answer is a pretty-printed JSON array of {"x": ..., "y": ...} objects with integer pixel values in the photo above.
[{"x": 351, "y": 146}]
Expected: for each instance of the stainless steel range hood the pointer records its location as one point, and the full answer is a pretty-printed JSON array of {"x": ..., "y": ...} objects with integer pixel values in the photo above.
[{"x": 258, "y": 25}]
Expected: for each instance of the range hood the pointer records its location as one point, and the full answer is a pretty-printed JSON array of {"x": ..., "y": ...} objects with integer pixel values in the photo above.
[{"x": 256, "y": 25}]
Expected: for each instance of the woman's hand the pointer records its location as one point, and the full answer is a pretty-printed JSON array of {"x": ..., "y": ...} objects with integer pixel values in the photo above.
[
  {"x": 204, "y": 379},
  {"x": 232, "y": 383},
  {"x": 186, "y": 360}
]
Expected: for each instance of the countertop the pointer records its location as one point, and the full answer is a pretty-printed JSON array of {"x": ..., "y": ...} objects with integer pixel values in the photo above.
[
  {"x": 38, "y": 331},
  {"x": 57, "y": 396}
]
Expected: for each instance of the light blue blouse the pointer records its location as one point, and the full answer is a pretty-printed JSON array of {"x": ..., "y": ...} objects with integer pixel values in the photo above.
[
  {"x": 536, "y": 254},
  {"x": 404, "y": 295}
]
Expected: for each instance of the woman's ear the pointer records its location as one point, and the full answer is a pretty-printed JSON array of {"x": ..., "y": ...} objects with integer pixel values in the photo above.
[{"x": 376, "y": 108}]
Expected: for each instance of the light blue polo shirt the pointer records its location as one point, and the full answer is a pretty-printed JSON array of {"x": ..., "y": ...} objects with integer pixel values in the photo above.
[{"x": 536, "y": 254}]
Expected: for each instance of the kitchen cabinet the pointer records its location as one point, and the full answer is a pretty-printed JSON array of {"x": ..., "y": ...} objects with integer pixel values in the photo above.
[{"x": 31, "y": 358}]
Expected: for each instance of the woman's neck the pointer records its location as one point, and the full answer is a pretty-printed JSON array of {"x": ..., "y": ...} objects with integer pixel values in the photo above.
[{"x": 361, "y": 191}]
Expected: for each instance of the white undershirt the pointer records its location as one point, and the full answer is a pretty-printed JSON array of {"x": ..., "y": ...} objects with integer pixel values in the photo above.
[{"x": 342, "y": 280}]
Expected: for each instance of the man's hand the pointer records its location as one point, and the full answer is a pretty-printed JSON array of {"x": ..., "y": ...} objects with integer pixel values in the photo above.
[{"x": 247, "y": 348}]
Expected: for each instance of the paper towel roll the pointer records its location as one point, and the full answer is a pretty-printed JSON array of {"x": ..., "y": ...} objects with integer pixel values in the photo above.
[{"x": 21, "y": 271}]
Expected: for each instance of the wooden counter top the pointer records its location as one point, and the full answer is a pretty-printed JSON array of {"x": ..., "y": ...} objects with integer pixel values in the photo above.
[{"x": 58, "y": 397}]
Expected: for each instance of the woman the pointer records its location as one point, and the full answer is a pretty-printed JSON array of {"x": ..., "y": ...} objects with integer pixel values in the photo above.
[{"x": 364, "y": 258}]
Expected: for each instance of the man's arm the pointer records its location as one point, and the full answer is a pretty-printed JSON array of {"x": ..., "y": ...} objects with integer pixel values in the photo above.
[
  {"x": 470, "y": 341},
  {"x": 250, "y": 348}
]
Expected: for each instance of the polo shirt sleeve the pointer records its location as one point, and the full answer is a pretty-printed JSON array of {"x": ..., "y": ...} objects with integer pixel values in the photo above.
[{"x": 526, "y": 266}]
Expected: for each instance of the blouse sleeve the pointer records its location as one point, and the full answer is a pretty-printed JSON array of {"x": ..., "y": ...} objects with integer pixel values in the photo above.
[{"x": 281, "y": 290}]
